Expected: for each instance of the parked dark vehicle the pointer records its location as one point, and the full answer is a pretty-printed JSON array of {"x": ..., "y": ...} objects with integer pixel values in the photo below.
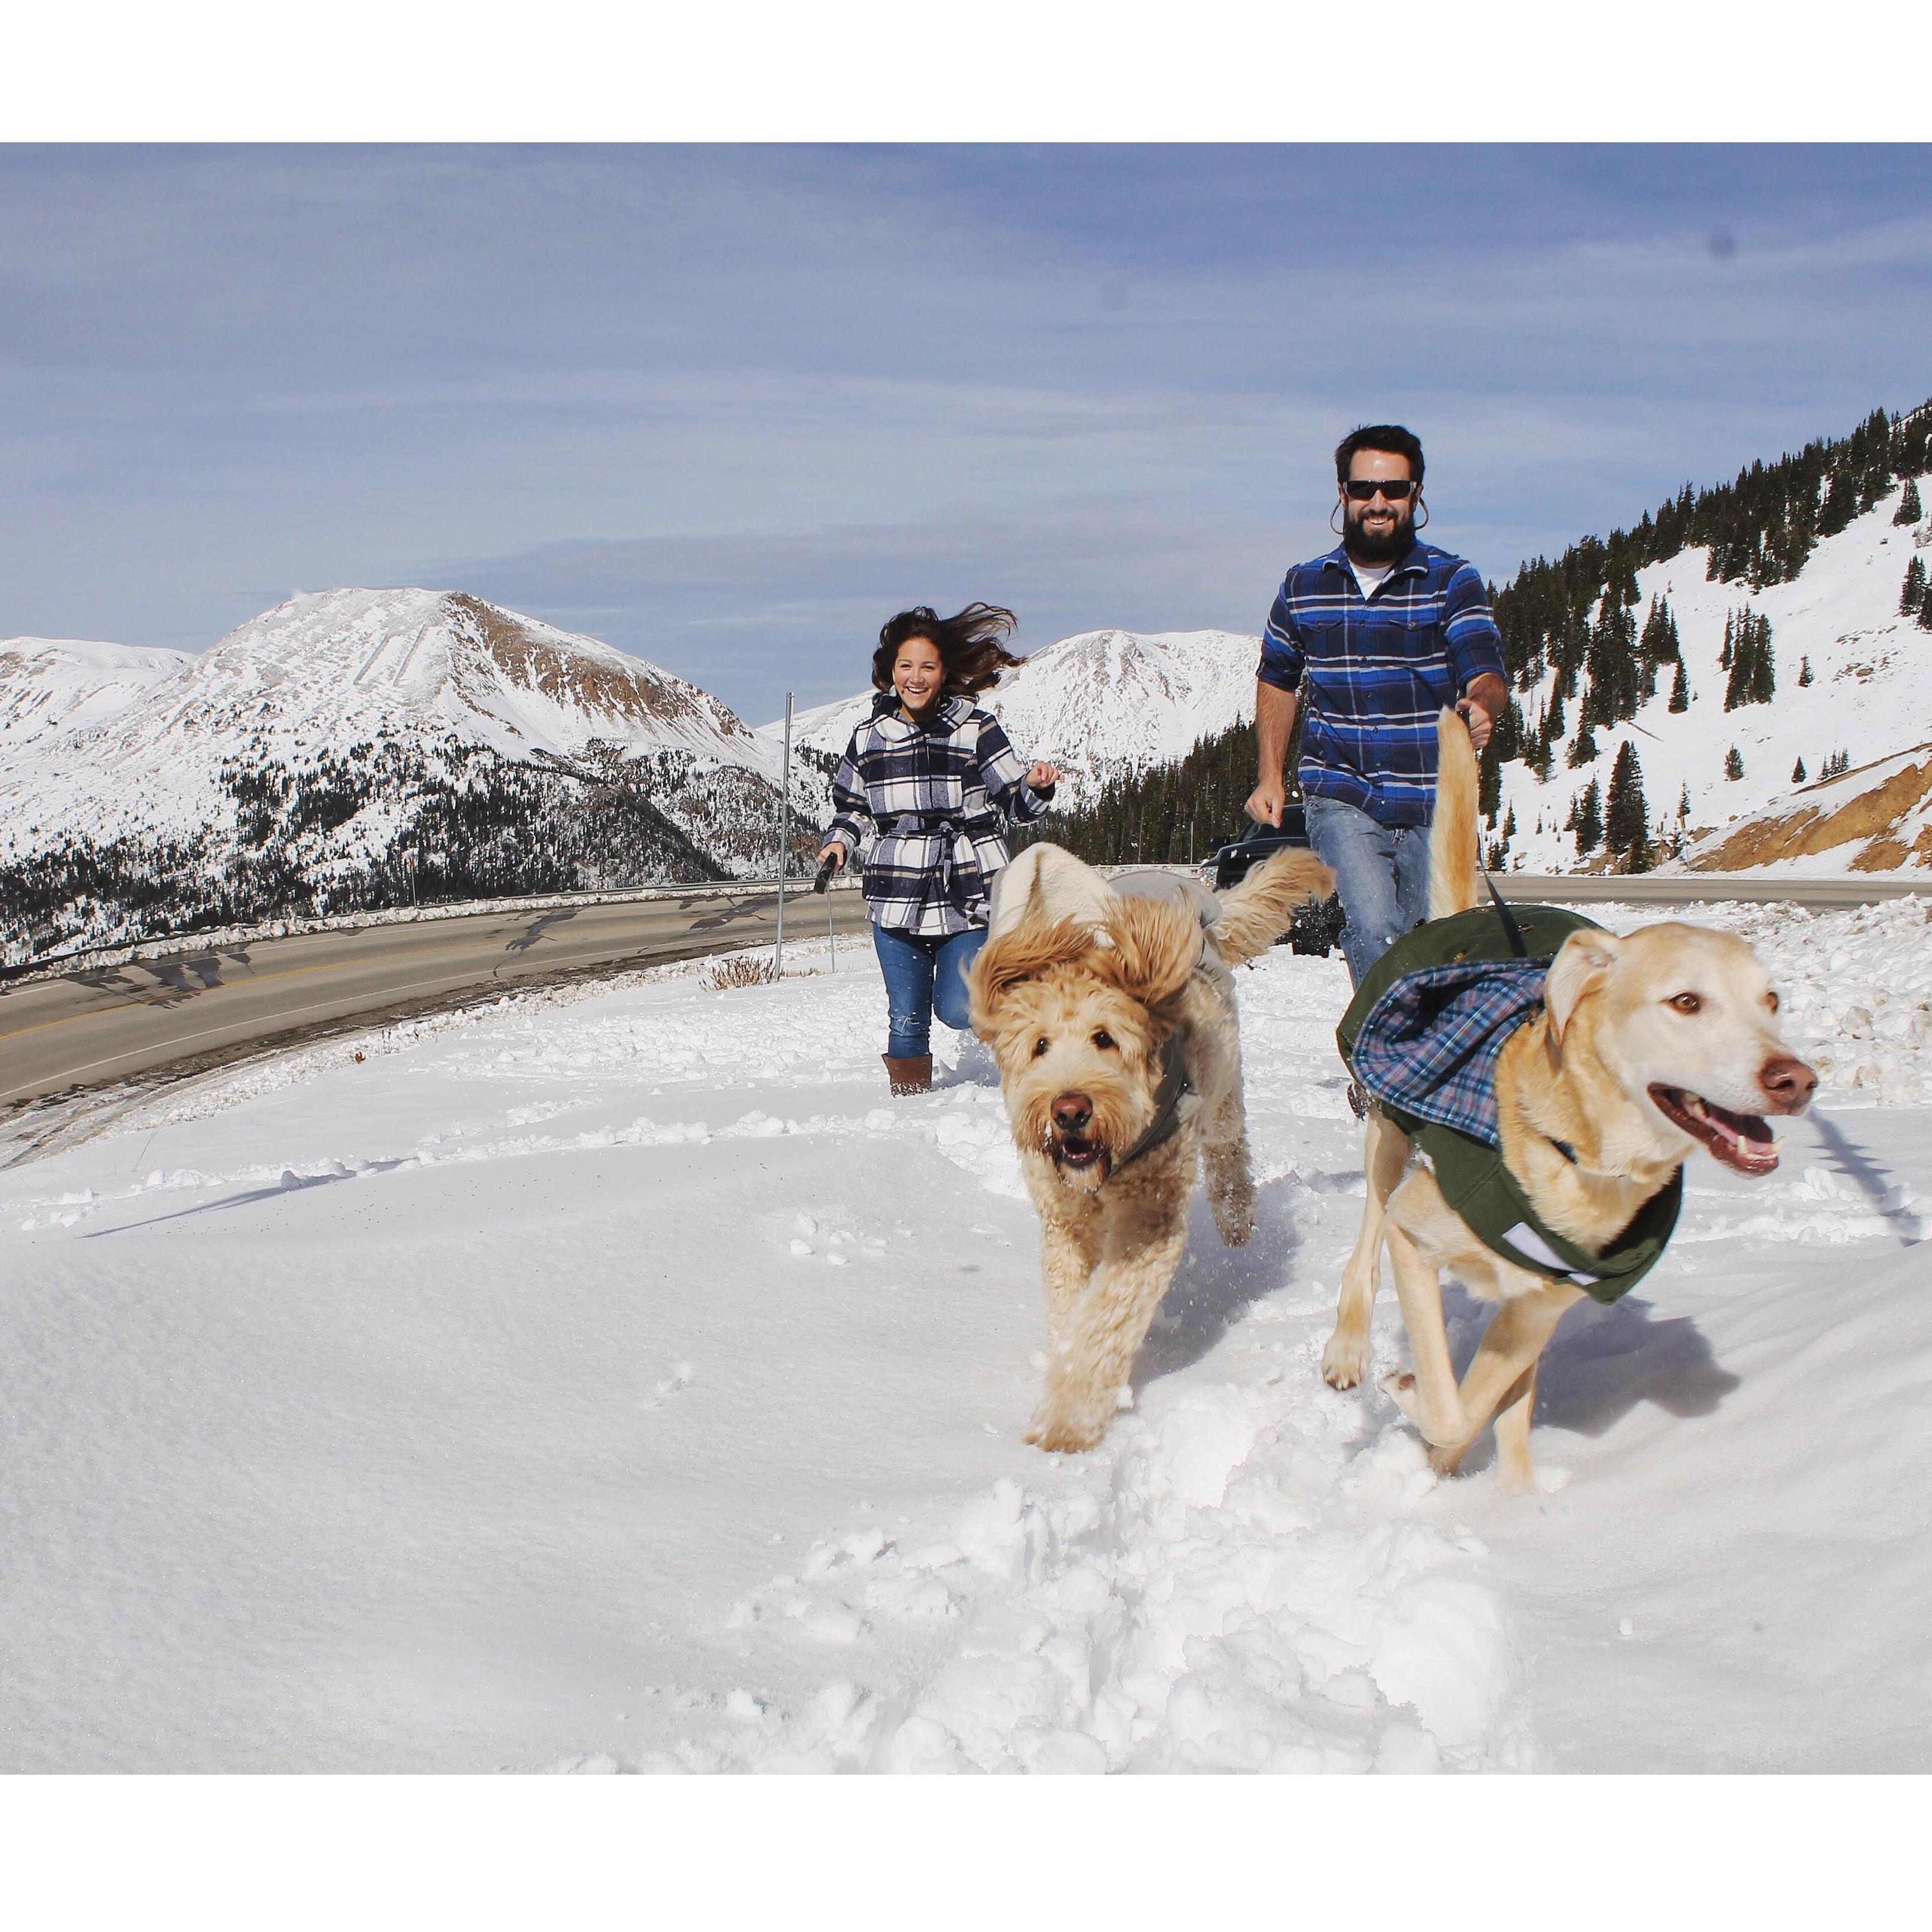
[{"x": 1317, "y": 925}]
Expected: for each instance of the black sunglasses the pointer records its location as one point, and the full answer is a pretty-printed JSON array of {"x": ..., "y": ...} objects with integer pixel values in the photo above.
[{"x": 1396, "y": 489}]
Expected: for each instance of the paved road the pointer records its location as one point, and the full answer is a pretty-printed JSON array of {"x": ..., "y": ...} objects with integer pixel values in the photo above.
[
  {"x": 1682, "y": 889},
  {"x": 89, "y": 1030}
]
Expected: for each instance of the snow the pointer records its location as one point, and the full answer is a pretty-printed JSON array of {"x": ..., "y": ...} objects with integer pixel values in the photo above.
[
  {"x": 52, "y": 685},
  {"x": 617, "y": 1379}
]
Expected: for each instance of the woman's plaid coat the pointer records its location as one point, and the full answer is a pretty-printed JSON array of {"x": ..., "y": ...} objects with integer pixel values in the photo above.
[{"x": 934, "y": 798}]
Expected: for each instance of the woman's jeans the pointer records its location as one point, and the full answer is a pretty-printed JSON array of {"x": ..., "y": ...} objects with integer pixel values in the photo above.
[
  {"x": 924, "y": 974},
  {"x": 1381, "y": 875}
]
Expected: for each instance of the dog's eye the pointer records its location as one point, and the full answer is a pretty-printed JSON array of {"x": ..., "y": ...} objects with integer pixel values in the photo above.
[
  {"x": 1103, "y": 1039},
  {"x": 1687, "y": 1002},
  {"x": 1771, "y": 1000},
  {"x": 1040, "y": 1046}
]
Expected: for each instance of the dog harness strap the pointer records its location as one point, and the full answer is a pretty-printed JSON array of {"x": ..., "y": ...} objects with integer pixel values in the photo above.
[
  {"x": 1166, "y": 1122},
  {"x": 1495, "y": 1208}
]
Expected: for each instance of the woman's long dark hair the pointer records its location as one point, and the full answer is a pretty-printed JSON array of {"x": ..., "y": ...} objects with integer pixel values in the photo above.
[{"x": 970, "y": 646}]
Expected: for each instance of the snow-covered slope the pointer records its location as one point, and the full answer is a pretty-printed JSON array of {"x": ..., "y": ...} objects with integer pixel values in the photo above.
[
  {"x": 52, "y": 685},
  {"x": 1870, "y": 697},
  {"x": 1096, "y": 704}
]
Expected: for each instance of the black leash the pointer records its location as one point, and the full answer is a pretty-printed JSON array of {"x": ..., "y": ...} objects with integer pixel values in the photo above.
[{"x": 1512, "y": 931}]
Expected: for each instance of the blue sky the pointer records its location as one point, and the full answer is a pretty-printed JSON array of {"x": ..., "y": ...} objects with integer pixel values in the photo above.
[{"x": 730, "y": 407}]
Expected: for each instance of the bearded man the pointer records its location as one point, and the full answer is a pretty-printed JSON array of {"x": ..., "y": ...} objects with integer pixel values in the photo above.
[{"x": 1386, "y": 630}]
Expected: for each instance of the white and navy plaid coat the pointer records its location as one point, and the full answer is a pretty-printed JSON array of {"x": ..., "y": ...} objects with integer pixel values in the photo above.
[{"x": 934, "y": 799}]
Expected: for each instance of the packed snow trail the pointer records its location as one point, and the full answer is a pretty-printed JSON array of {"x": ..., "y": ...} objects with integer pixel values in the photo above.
[{"x": 617, "y": 1380}]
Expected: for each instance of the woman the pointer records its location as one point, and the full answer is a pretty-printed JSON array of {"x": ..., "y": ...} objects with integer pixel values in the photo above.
[{"x": 933, "y": 777}]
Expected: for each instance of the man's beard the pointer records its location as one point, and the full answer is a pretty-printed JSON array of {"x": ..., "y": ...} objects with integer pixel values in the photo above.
[{"x": 1366, "y": 549}]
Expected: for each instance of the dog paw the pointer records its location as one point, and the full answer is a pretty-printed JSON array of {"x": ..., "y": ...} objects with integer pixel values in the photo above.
[
  {"x": 1345, "y": 1361},
  {"x": 1236, "y": 1229},
  {"x": 1399, "y": 1385},
  {"x": 1064, "y": 1431}
]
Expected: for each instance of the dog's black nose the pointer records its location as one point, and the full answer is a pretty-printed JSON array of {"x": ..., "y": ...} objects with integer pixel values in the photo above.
[
  {"x": 1789, "y": 1082},
  {"x": 1071, "y": 1113}
]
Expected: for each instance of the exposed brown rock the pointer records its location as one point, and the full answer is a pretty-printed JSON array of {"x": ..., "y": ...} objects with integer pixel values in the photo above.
[
  {"x": 1872, "y": 814},
  {"x": 636, "y": 694}
]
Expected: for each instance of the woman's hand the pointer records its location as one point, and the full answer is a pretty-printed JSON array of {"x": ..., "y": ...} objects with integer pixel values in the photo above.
[
  {"x": 1043, "y": 777},
  {"x": 832, "y": 853}
]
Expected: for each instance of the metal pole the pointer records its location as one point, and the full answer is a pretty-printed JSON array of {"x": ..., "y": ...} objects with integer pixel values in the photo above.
[{"x": 784, "y": 840}]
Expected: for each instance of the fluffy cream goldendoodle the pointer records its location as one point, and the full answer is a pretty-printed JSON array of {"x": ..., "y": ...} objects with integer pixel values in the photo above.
[{"x": 1110, "y": 1010}]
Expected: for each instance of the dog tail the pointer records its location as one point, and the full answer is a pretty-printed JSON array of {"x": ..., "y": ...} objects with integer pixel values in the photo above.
[
  {"x": 1452, "y": 831},
  {"x": 1255, "y": 913}
]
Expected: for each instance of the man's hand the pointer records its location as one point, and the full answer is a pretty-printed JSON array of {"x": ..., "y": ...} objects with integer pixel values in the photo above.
[
  {"x": 1486, "y": 697},
  {"x": 1044, "y": 777},
  {"x": 1480, "y": 722},
  {"x": 832, "y": 853},
  {"x": 1274, "y": 725}
]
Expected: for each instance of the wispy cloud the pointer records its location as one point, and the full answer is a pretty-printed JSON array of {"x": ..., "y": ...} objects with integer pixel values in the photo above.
[{"x": 675, "y": 390}]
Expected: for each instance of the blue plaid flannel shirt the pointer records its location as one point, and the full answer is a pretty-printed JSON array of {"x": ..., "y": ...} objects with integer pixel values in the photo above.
[
  {"x": 1430, "y": 1044},
  {"x": 935, "y": 797},
  {"x": 1379, "y": 670}
]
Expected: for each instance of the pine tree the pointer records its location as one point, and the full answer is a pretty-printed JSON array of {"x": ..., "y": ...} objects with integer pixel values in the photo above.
[
  {"x": 1798, "y": 773},
  {"x": 1754, "y": 678},
  {"x": 1724, "y": 655},
  {"x": 1764, "y": 663},
  {"x": 1659, "y": 639},
  {"x": 1589, "y": 820},
  {"x": 1734, "y": 763},
  {"x": 1585, "y": 748},
  {"x": 1684, "y": 803},
  {"x": 1680, "y": 689},
  {"x": 1913, "y": 595},
  {"x": 1910, "y": 509},
  {"x": 1489, "y": 781},
  {"x": 1628, "y": 814},
  {"x": 1803, "y": 673},
  {"x": 1925, "y": 610}
]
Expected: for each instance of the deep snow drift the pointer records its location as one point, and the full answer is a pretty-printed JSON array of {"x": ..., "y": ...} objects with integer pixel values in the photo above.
[{"x": 618, "y": 1380}]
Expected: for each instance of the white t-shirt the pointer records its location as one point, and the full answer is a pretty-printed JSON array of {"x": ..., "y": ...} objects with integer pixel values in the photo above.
[{"x": 1369, "y": 576}]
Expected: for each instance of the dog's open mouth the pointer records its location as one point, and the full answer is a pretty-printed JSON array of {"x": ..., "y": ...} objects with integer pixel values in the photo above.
[
  {"x": 1740, "y": 1141},
  {"x": 1082, "y": 1154}
]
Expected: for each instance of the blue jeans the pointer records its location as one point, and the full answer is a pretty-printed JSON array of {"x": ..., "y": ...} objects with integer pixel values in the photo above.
[
  {"x": 1382, "y": 874},
  {"x": 924, "y": 974}
]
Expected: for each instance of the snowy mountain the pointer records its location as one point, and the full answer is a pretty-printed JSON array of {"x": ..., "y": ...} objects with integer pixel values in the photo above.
[
  {"x": 52, "y": 685},
  {"x": 1096, "y": 704},
  {"x": 293, "y": 765},
  {"x": 1853, "y": 681}
]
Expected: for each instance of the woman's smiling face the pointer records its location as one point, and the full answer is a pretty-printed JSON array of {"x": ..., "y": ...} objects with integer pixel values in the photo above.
[{"x": 919, "y": 675}]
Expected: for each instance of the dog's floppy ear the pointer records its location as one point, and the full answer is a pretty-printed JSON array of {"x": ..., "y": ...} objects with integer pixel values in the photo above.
[
  {"x": 1155, "y": 946},
  {"x": 1023, "y": 952},
  {"x": 1580, "y": 964}
]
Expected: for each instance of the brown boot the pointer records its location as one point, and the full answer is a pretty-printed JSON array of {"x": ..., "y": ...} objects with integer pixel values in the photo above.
[{"x": 910, "y": 1075}]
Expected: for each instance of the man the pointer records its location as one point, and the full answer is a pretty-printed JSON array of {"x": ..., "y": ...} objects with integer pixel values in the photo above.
[{"x": 1387, "y": 630}]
